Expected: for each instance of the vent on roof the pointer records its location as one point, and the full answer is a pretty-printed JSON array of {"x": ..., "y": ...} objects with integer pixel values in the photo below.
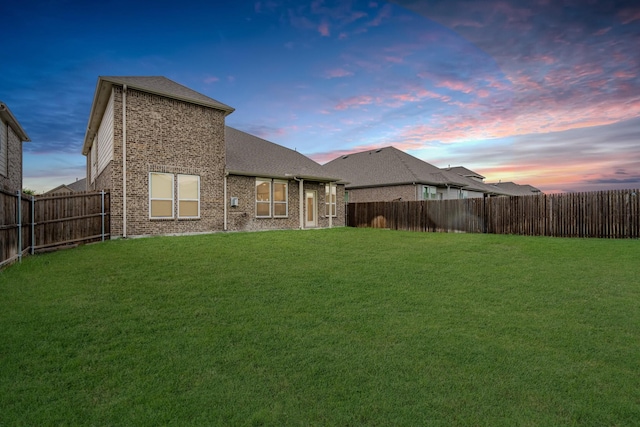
[
  {"x": 378, "y": 150},
  {"x": 344, "y": 157}
]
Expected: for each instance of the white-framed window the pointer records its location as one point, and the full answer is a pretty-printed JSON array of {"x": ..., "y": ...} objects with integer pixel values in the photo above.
[
  {"x": 272, "y": 198},
  {"x": 160, "y": 195},
  {"x": 280, "y": 199},
  {"x": 330, "y": 200},
  {"x": 4, "y": 149},
  {"x": 463, "y": 194},
  {"x": 429, "y": 193},
  {"x": 188, "y": 196},
  {"x": 263, "y": 198}
]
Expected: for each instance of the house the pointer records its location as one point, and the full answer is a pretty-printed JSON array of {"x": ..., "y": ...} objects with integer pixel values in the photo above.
[
  {"x": 513, "y": 189},
  {"x": 173, "y": 166},
  {"x": 389, "y": 174},
  {"x": 11, "y": 138},
  {"x": 468, "y": 173},
  {"x": 77, "y": 186}
]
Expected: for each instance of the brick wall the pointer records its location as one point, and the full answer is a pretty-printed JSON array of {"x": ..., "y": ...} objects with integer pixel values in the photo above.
[
  {"x": 171, "y": 136},
  {"x": 383, "y": 194},
  {"x": 13, "y": 181},
  {"x": 243, "y": 217}
]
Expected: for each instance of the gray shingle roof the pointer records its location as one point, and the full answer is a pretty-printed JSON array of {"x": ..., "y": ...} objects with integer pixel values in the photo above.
[
  {"x": 461, "y": 170},
  {"x": 78, "y": 185},
  {"x": 163, "y": 86},
  {"x": 513, "y": 189},
  {"x": 152, "y": 84},
  {"x": 389, "y": 166},
  {"x": 249, "y": 155}
]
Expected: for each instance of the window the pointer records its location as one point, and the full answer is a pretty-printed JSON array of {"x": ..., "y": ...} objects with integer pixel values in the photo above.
[
  {"x": 463, "y": 194},
  {"x": 160, "y": 195},
  {"x": 330, "y": 200},
  {"x": 280, "y": 204},
  {"x": 272, "y": 198},
  {"x": 188, "y": 196},
  {"x": 263, "y": 198},
  {"x": 429, "y": 193}
]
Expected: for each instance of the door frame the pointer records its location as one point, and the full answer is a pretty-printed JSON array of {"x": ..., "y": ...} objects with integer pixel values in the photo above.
[{"x": 311, "y": 194}]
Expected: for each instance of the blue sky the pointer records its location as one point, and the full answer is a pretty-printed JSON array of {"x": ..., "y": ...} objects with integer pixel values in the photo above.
[{"x": 540, "y": 92}]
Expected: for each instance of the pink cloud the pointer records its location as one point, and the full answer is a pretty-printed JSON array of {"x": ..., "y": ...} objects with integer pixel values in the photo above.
[
  {"x": 336, "y": 73},
  {"x": 354, "y": 102},
  {"x": 624, "y": 75},
  {"x": 602, "y": 32},
  {"x": 629, "y": 15},
  {"x": 323, "y": 29}
]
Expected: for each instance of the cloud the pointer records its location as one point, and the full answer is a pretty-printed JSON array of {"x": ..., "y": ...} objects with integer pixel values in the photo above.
[
  {"x": 323, "y": 29},
  {"x": 211, "y": 79},
  {"x": 336, "y": 73}
]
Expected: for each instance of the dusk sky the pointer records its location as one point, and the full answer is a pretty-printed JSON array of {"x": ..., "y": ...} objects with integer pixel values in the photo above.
[{"x": 540, "y": 92}]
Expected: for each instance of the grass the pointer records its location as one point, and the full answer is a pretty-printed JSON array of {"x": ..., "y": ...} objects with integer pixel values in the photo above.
[{"x": 327, "y": 327}]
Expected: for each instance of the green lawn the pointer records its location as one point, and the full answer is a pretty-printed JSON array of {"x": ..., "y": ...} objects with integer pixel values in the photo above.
[{"x": 324, "y": 327}]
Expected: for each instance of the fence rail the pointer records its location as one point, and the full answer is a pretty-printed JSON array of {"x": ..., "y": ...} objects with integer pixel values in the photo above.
[
  {"x": 605, "y": 214},
  {"x": 35, "y": 223}
]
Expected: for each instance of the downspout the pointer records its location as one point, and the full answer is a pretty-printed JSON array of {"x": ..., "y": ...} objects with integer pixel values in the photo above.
[
  {"x": 224, "y": 227},
  {"x": 301, "y": 201},
  {"x": 124, "y": 161}
]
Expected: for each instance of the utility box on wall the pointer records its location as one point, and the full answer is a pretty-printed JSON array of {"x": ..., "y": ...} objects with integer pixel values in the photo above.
[{"x": 234, "y": 202}]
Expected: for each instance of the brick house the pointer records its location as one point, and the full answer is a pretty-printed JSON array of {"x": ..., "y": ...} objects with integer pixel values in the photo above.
[
  {"x": 388, "y": 174},
  {"x": 173, "y": 167},
  {"x": 11, "y": 138}
]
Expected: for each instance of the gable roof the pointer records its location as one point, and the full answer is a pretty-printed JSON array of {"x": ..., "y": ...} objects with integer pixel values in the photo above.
[
  {"x": 157, "y": 85},
  {"x": 389, "y": 166},
  {"x": 250, "y": 155},
  {"x": 8, "y": 117}
]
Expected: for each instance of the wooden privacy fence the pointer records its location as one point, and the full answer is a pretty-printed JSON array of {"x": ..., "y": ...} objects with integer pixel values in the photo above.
[
  {"x": 606, "y": 214},
  {"x": 36, "y": 223}
]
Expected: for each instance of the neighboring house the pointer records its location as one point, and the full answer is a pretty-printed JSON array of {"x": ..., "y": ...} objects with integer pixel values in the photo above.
[
  {"x": 11, "y": 138},
  {"x": 77, "y": 186},
  {"x": 172, "y": 165},
  {"x": 468, "y": 173},
  {"x": 389, "y": 174},
  {"x": 513, "y": 189}
]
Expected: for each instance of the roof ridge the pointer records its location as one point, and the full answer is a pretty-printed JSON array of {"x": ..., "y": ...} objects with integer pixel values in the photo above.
[{"x": 402, "y": 160}]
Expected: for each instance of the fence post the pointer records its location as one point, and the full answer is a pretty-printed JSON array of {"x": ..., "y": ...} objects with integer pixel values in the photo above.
[
  {"x": 102, "y": 212},
  {"x": 33, "y": 224},
  {"x": 19, "y": 210}
]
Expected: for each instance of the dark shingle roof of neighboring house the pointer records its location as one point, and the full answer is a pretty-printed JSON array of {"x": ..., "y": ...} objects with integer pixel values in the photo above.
[
  {"x": 513, "y": 189},
  {"x": 8, "y": 117},
  {"x": 252, "y": 156},
  {"x": 74, "y": 187},
  {"x": 389, "y": 166},
  {"x": 461, "y": 170},
  {"x": 157, "y": 85},
  {"x": 78, "y": 185}
]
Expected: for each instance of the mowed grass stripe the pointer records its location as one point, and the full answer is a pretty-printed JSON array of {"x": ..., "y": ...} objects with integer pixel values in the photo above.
[{"x": 324, "y": 327}]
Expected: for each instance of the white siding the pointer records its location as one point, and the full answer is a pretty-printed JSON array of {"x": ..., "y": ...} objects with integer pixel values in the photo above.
[
  {"x": 105, "y": 137},
  {"x": 4, "y": 149},
  {"x": 94, "y": 159}
]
